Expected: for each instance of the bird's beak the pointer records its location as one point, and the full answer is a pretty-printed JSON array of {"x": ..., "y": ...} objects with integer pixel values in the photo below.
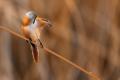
[
  {"x": 48, "y": 23},
  {"x": 45, "y": 22}
]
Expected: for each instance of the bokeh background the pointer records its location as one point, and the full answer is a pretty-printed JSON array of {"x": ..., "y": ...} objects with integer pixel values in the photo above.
[{"x": 84, "y": 31}]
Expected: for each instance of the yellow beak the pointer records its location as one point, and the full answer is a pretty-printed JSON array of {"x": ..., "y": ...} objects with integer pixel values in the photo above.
[{"x": 44, "y": 22}]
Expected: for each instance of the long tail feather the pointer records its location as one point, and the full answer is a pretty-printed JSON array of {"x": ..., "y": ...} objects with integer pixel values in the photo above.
[{"x": 35, "y": 52}]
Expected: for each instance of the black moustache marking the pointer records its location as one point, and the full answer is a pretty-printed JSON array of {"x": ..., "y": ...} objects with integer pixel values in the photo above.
[{"x": 34, "y": 19}]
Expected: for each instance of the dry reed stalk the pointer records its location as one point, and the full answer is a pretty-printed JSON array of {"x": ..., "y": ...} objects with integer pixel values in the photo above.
[{"x": 55, "y": 54}]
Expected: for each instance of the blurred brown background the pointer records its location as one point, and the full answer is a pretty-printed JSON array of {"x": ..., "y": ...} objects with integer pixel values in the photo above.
[{"x": 84, "y": 31}]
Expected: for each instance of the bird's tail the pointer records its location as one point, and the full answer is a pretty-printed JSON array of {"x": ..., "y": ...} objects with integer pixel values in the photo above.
[{"x": 35, "y": 52}]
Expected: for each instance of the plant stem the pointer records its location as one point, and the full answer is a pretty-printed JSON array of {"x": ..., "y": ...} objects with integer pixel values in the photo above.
[{"x": 55, "y": 54}]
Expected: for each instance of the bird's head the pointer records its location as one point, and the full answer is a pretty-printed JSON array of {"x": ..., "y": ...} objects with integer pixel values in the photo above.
[{"x": 29, "y": 18}]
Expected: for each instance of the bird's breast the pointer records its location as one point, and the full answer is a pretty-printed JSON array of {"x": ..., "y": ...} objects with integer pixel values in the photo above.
[
  {"x": 26, "y": 32},
  {"x": 32, "y": 31}
]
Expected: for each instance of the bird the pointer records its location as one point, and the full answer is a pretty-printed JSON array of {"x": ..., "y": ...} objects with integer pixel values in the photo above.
[{"x": 32, "y": 26}]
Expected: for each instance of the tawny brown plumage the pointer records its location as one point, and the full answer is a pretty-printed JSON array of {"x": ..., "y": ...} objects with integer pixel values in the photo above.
[{"x": 32, "y": 26}]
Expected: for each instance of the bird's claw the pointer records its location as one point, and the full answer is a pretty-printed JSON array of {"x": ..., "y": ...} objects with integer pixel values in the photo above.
[{"x": 39, "y": 43}]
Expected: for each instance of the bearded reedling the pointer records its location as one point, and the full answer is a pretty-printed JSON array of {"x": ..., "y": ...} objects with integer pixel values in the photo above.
[{"x": 31, "y": 28}]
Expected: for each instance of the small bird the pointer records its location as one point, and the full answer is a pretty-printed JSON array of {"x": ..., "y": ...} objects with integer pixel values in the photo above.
[{"x": 32, "y": 26}]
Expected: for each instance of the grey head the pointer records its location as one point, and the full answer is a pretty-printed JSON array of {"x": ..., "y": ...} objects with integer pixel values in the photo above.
[{"x": 31, "y": 15}]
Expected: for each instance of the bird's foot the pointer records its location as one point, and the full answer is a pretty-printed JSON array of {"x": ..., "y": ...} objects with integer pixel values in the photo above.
[{"x": 41, "y": 45}]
